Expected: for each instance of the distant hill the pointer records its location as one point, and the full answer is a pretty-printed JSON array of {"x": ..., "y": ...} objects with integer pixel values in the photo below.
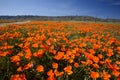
[{"x": 58, "y": 18}]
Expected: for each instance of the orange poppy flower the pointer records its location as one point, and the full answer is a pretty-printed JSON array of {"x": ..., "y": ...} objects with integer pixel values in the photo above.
[
  {"x": 96, "y": 46},
  {"x": 89, "y": 56},
  {"x": 23, "y": 76},
  {"x": 92, "y": 51},
  {"x": 39, "y": 53},
  {"x": 94, "y": 75},
  {"x": 19, "y": 68},
  {"x": 89, "y": 62},
  {"x": 100, "y": 56},
  {"x": 110, "y": 52},
  {"x": 106, "y": 76},
  {"x": 76, "y": 65},
  {"x": 54, "y": 65},
  {"x": 20, "y": 54},
  {"x": 70, "y": 60},
  {"x": 3, "y": 54},
  {"x": 50, "y": 73},
  {"x": 63, "y": 48},
  {"x": 74, "y": 51},
  {"x": 117, "y": 62},
  {"x": 40, "y": 68},
  {"x": 59, "y": 55},
  {"x": 107, "y": 60},
  {"x": 72, "y": 56},
  {"x": 101, "y": 62},
  {"x": 116, "y": 73},
  {"x": 35, "y": 45},
  {"x": 28, "y": 66},
  {"x": 15, "y": 58},
  {"x": 15, "y": 77},
  {"x": 84, "y": 63},
  {"x": 68, "y": 70},
  {"x": 68, "y": 52},
  {"x": 95, "y": 66},
  {"x": 20, "y": 45},
  {"x": 51, "y": 78},
  {"x": 45, "y": 47},
  {"x": 95, "y": 59},
  {"x": 49, "y": 42},
  {"x": 52, "y": 47},
  {"x": 18, "y": 77},
  {"x": 57, "y": 73},
  {"x": 28, "y": 55},
  {"x": 54, "y": 51}
]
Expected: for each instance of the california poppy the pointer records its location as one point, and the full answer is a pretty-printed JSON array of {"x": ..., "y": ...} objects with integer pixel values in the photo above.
[
  {"x": 15, "y": 58},
  {"x": 76, "y": 65},
  {"x": 28, "y": 66},
  {"x": 54, "y": 65},
  {"x": 68, "y": 70},
  {"x": 94, "y": 75},
  {"x": 40, "y": 68}
]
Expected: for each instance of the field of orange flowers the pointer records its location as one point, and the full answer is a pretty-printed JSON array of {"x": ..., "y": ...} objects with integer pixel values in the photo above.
[{"x": 60, "y": 51}]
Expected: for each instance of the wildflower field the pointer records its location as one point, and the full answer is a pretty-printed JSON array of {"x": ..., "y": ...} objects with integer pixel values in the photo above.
[{"x": 52, "y": 50}]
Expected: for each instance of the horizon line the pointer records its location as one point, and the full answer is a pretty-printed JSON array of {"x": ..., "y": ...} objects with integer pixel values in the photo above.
[{"x": 63, "y": 16}]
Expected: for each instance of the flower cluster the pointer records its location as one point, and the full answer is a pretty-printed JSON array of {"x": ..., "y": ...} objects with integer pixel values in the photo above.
[{"x": 60, "y": 51}]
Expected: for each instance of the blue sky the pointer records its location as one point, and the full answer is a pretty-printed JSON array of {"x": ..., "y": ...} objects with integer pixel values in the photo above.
[{"x": 96, "y": 8}]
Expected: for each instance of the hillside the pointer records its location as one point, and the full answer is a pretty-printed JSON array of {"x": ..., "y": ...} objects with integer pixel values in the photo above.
[{"x": 58, "y": 18}]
